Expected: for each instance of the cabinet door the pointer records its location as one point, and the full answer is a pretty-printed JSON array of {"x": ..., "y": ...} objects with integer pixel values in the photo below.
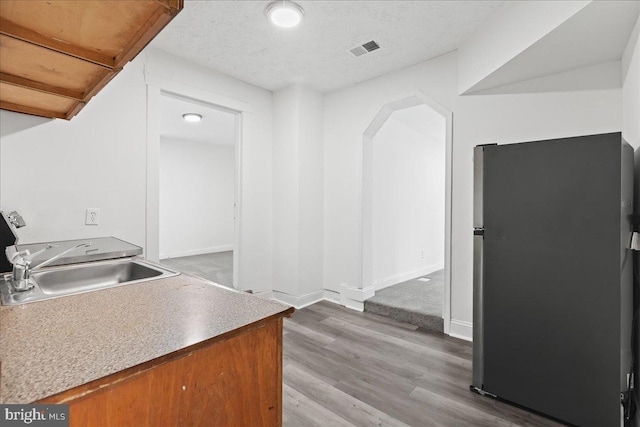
[{"x": 233, "y": 382}]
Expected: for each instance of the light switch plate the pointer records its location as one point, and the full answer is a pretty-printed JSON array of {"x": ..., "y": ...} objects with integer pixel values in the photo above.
[{"x": 92, "y": 216}]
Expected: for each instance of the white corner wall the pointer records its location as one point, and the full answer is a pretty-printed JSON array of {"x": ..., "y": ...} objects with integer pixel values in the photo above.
[
  {"x": 408, "y": 201},
  {"x": 513, "y": 28},
  {"x": 298, "y": 196},
  {"x": 477, "y": 119},
  {"x": 197, "y": 183},
  {"x": 631, "y": 89},
  {"x": 286, "y": 197},
  {"x": 311, "y": 187}
]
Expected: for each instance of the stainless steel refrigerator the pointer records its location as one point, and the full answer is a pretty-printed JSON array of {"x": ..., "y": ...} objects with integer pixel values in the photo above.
[{"x": 553, "y": 285}]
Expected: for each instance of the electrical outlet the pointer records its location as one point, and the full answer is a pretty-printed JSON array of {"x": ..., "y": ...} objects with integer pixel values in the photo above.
[
  {"x": 92, "y": 217},
  {"x": 422, "y": 254}
]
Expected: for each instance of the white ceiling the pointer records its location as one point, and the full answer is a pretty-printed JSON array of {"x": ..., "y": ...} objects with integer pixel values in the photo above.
[
  {"x": 216, "y": 126},
  {"x": 235, "y": 38}
]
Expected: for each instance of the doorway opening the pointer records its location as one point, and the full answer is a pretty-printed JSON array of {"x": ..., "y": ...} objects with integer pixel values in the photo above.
[
  {"x": 198, "y": 188},
  {"x": 406, "y": 210}
]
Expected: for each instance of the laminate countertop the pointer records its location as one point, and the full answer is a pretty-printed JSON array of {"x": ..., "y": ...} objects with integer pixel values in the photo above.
[{"x": 51, "y": 346}]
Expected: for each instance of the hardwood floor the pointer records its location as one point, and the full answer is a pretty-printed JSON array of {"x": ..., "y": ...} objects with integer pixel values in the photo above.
[{"x": 344, "y": 368}]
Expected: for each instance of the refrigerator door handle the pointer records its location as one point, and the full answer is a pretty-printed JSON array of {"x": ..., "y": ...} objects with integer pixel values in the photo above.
[
  {"x": 478, "y": 332},
  {"x": 478, "y": 243}
]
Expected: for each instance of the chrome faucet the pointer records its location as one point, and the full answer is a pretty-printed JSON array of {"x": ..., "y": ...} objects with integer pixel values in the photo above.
[{"x": 22, "y": 260}]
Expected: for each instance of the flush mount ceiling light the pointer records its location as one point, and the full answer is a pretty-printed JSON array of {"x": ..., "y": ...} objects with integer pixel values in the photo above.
[
  {"x": 284, "y": 13},
  {"x": 192, "y": 117}
]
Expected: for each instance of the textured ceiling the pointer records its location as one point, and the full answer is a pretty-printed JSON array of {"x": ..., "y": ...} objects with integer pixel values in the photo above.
[
  {"x": 235, "y": 38},
  {"x": 216, "y": 126}
]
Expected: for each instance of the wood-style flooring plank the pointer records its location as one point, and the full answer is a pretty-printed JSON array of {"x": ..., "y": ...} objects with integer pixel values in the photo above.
[
  {"x": 402, "y": 349},
  {"x": 320, "y": 338},
  {"x": 394, "y": 328},
  {"x": 344, "y": 405},
  {"x": 342, "y": 367},
  {"x": 299, "y": 410},
  {"x": 459, "y": 391},
  {"x": 332, "y": 367},
  {"x": 450, "y": 412},
  {"x": 396, "y": 404}
]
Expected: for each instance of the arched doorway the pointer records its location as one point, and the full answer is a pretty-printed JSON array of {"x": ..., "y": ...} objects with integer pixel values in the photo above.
[{"x": 370, "y": 271}]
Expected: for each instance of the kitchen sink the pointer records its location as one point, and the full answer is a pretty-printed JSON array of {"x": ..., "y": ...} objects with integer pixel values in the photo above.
[{"x": 78, "y": 278}]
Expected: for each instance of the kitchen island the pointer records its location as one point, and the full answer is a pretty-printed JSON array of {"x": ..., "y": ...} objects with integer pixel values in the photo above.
[{"x": 174, "y": 351}]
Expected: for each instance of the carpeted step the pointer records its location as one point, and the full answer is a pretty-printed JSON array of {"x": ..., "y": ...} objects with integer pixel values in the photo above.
[
  {"x": 422, "y": 320},
  {"x": 417, "y": 302}
]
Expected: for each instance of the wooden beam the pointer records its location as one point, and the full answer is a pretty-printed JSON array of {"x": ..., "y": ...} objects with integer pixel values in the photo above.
[
  {"x": 100, "y": 81},
  {"x": 165, "y": 3},
  {"x": 75, "y": 110},
  {"x": 10, "y": 29},
  {"x": 30, "y": 110},
  {"x": 174, "y": 5},
  {"x": 41, "y": 87},
  {"x": 143, "y": 36}
]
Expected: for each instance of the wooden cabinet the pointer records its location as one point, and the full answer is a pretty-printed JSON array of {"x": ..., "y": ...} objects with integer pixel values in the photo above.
[
  {"x": 232, "y": 380},
  {"x": 56, "y": 55}
]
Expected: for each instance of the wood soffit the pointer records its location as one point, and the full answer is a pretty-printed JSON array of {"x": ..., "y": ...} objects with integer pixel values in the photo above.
[{"x": 55, "y": 56}]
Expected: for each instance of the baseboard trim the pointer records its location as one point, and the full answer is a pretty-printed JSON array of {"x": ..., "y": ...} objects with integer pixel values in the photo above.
[
  {"x": 349, "y": 297},
  {"x": 263, "y": 294},
  {"x": 357, "y": 294},
  {"x": 458, "y": 328},
  {"x": 353, "y": 298},
  {"x": 403, "y": 277},
  {"x": 202, "y": 251},
  {"x": 298, "y": 301},
  {"x": 461, "y": 329},
  {"x": 332, "y": 296}
]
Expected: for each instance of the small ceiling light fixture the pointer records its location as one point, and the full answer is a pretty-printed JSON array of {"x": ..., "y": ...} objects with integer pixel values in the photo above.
[
  {"x": 284, "y": 13},
  {"x": 192, "y": 117}
]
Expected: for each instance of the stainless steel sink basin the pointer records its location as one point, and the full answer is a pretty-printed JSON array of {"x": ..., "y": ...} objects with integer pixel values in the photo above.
[{"x": 74, "y": 279}]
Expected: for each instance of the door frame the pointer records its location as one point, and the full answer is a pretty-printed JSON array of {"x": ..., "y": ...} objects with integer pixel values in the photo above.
[
  {"x": 158, "y": 86},
  {"x": 367, "y": 193}
]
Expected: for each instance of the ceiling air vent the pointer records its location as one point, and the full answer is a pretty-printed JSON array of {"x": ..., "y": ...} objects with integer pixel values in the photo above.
[{"x": 365, "y": 48}]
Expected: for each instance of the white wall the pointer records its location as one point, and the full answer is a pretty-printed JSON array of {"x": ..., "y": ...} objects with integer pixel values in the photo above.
[
  {"x": 52, "y": 171},
  {"x": 172, "y": 74},
  {"x": 631, "y": 89},
  {"x": 286, "y": 216},
  {"x": 298, "y": 195},
  {"x": 408, "y": 200},
  {"x": 311, "y": 173},
  {"x": 196, "y": 197},
  {"x": 513, "y": 28},
  {"x": 477, "y": 119}
]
